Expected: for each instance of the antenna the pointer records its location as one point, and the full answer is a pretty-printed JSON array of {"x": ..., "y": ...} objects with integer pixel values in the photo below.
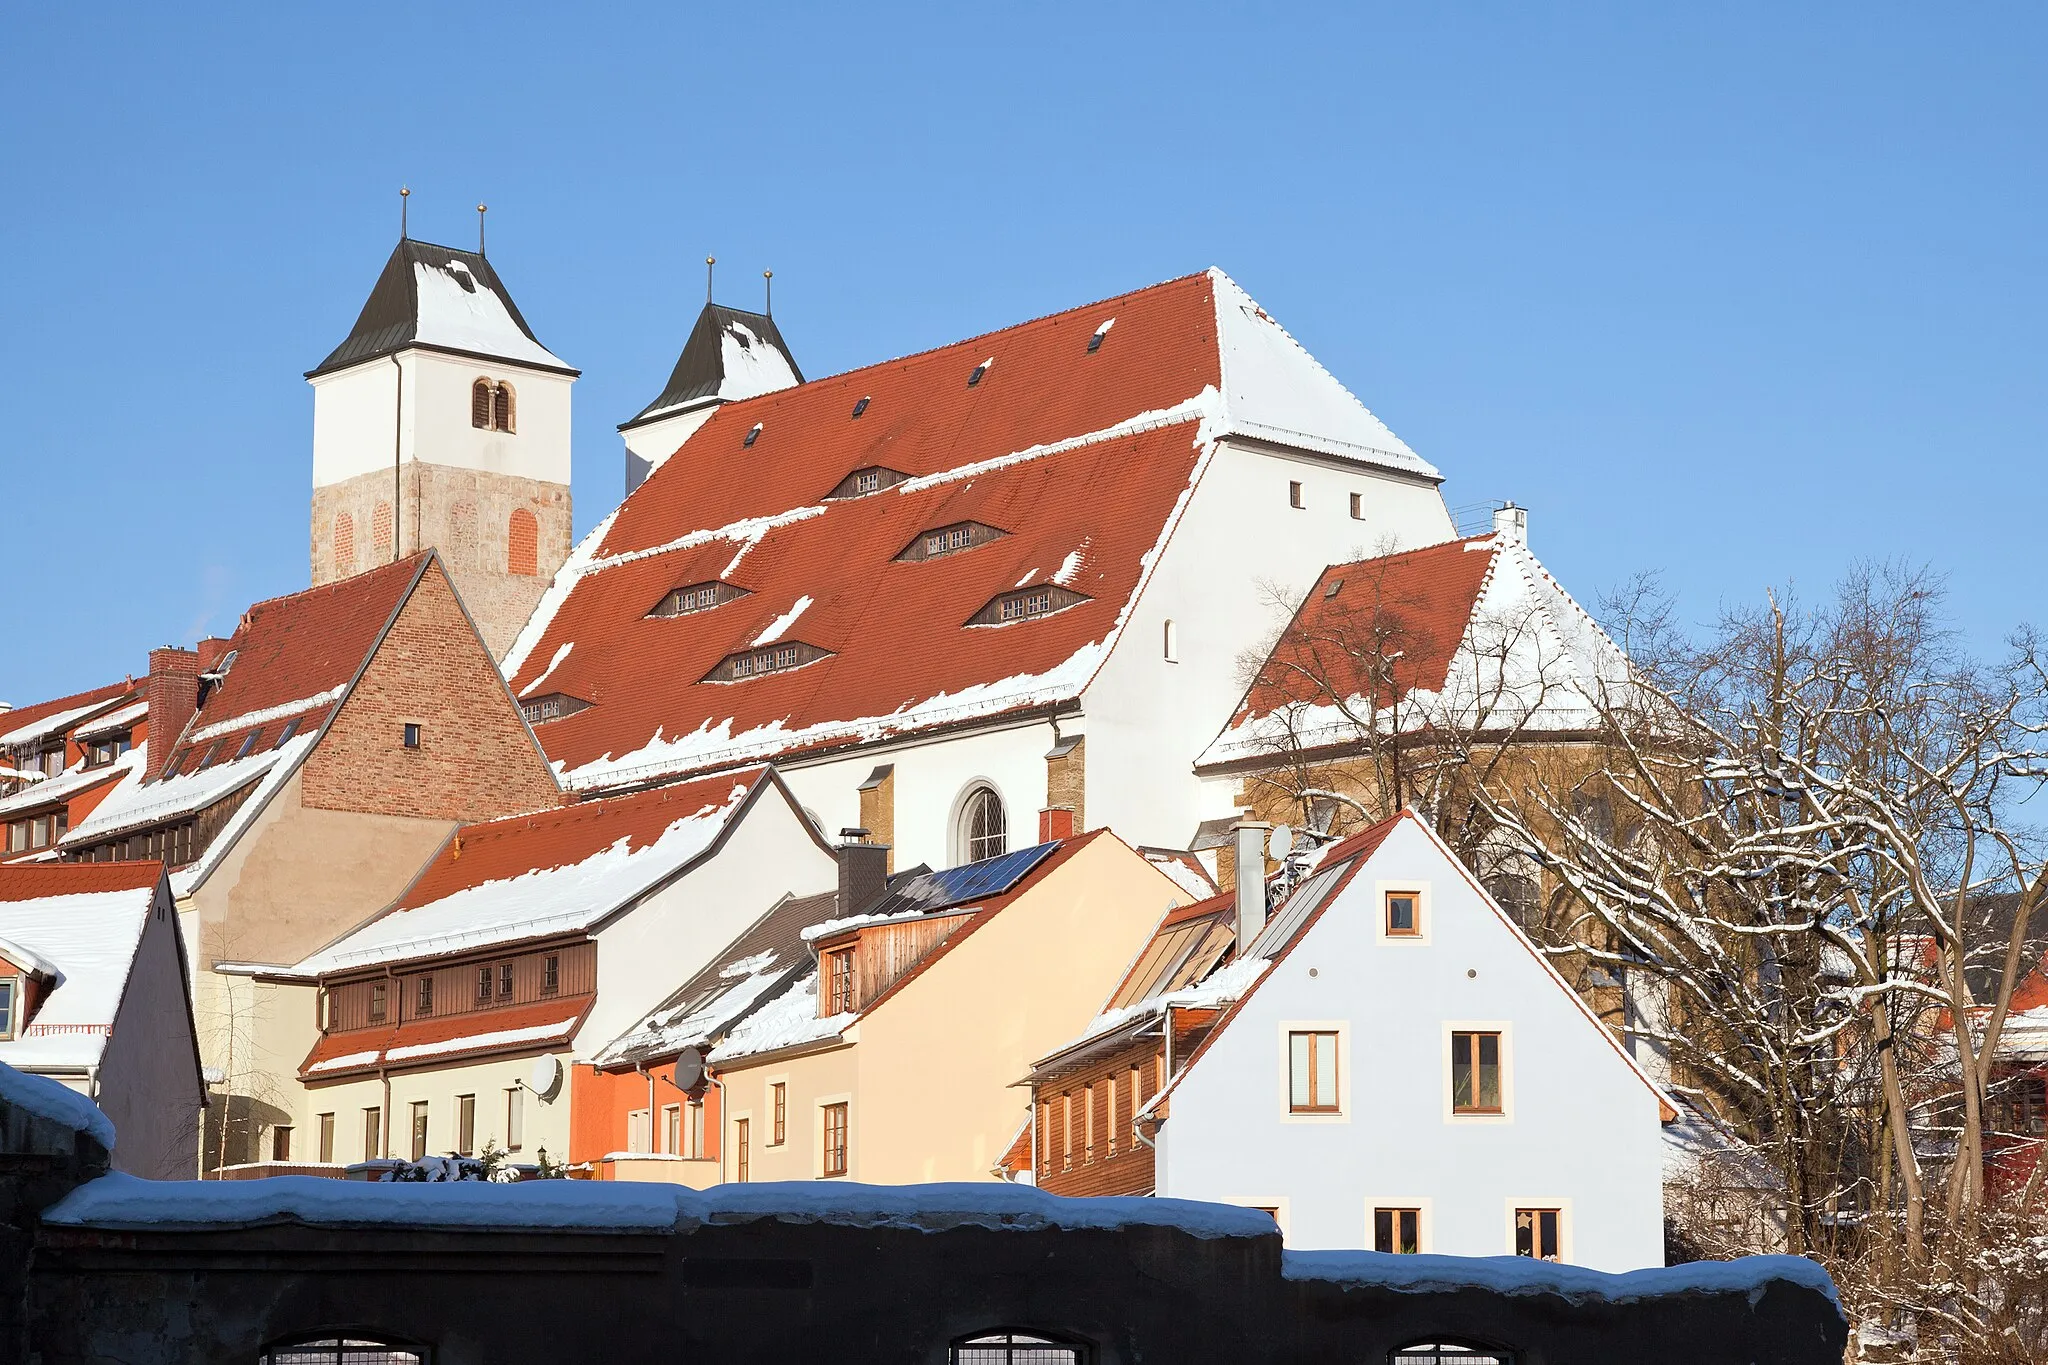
[
  {"x": 709, "y": 261},
  {"x": 404, "y": 201},
  {"x": 768, "y": 284},
  {"x": 481, "y": 210}
]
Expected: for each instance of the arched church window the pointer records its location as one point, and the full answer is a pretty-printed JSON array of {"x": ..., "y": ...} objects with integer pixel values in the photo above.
[
  {"x": 344, "y": 1350},
  {"x": 480, "y": 404},
  {"x": 1016, "y": 1348},
  {"x": 344, "y": 544},
  {"x": 380, "y": 531},
  {"x": 983, "y": 831},
  {"x": 522, "y": 543},
  {"x": 502, "y": 408}
]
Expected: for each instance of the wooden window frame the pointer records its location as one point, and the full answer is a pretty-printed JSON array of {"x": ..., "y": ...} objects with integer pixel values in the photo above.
[
  {"x": 1032, "y": 603},
  {"x": 1295, "y": 497},
  {"x": 1469, "y": 1040},
  {"x": 422, "y": 1129},
  {"x": 423, "y": 996},
  {"x": 778, "y": 1101},
  {"x": 835, "y": 1139},
  {"x": 1389, "y": 1217},
  {"x": 551, "y": 974},
  {"x": 1316, "y": 1040},
  {"x": 1414, "y": 899},
  {"x": 672, "y": 1129},
  {"x": 1558, "y": 1212},
  {"x": 842, "y": 986},
  {"x": 742, "y": 1146},
  {"x": 281, "y": 1142},
  {"x": 325, "y": 1126},
  {"x": 465, "y": 1125},
  {"x": 373, "y": 1132}
]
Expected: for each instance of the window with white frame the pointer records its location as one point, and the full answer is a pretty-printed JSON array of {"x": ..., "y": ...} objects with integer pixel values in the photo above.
[{"x": 984, "y": 830}]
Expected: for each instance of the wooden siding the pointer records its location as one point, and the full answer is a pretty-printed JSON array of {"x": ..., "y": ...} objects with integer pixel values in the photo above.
[
  {"x": 1116, "y": 1162},
  {"x": 455, "y": 988}
]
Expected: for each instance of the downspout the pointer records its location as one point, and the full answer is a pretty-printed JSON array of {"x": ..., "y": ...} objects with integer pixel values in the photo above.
[
  {"x": 397, "y": 481},
  {"x": 647, "y": 1076},
  {"x": 383, "y": 1063},
  {"x": 1137, "y": 1131},
  {"x": 719, "y": 1081}
]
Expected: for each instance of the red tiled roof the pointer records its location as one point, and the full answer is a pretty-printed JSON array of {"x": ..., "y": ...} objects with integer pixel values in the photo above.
[
  {"x": 565, "y": 835},
  {"x": 33, "y": 881},
  {"x": 896, "y": 631},
  {"x": 1416, "y": 603},
  {"x": 291, "y": 648},
  {"x": 468, "y": 1034},
  {"x": 21, "y": 717}
]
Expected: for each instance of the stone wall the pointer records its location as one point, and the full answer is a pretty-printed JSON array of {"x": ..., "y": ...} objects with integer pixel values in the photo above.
[{"x": 467, "y": 515}]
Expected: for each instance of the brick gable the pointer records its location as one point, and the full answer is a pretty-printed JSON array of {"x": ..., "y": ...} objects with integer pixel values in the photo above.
[{"x": 476, "y": 759}]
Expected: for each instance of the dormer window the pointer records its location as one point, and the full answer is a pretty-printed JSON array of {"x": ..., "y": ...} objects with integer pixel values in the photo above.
[
  {"x": 490, "y": 406},
  {"x": 861, "y": 482},
  {"x": 553, "y": 706},
  {"x": 752, "y": 663},
  {"x": 947, "y": 540},
  {"x": 107, "y": 748},
  {"x": 1026, "y": 603},
  {"x": 696, "y": 597}
]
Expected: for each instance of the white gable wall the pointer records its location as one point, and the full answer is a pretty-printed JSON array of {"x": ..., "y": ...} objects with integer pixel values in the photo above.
[
  {"x": 1581, "y": 1131},
  {"x": 149, "y": 1081},
  {"x": 1148, "y": 719},
  {"x": 353, "y": 420}
]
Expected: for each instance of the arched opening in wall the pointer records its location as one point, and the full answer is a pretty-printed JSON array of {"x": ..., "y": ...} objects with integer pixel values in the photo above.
[
  {"x": 480, "y": 405},
  {"x": 1016, "y": 1348},
  {"x": 1449, "y": 1353},
  {"x": 380, "y": 531},
  {"x": 981, "y": 831},
  {"x": 1170, "y": 642},
  {"x": 522, "y": 543},
  {"x": 346, "y": 1349},
  {"x": 344, "y": 544},
  {"x": 502, "y": 409}
]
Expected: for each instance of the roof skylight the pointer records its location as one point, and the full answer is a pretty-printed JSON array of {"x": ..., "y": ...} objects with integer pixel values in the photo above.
[
  {"x": 860, "y": 407},
  {"x": 1095, "y": 342},
  {"x": 753, "y": 435},
  {"x": 980, "y": 370}
]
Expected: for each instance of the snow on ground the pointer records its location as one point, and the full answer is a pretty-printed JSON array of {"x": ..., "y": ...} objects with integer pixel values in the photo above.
[
  {"x": 459, "y": 311},
  {"x": 543, "y": 901},
  {"x": 46, "y": 1099},
  {"x": 91, "y": 941},
  {"x": 1521, "y": 1275}
]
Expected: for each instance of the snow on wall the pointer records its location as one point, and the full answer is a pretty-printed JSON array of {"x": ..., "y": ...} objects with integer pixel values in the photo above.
[{"x": 47, "y": 1099}]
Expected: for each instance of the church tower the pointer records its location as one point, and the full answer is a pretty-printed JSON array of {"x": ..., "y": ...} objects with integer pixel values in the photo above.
[
  {"x": 442, "y": 421},
  {"x": 730, "y": 354}
]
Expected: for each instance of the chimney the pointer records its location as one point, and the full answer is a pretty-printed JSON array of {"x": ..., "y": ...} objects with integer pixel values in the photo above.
[
  {"x": 1248, "y": 844},
  {"x": 173, "y": 695},
  {"x": 211, "y": 650},
  {"x": 1511, "y": 523},
  {"x": 863, "y": 871},
  {"x": 1055, "y": 822}
]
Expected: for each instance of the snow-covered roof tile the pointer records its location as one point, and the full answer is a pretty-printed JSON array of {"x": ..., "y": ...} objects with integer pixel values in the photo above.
[
  {"x": 73, "y": 781},
  {"x": 85, "y": 921}
]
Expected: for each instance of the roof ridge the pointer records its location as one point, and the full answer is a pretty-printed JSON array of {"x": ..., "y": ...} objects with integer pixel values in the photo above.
[
  {"x": 334, "y": 586},
  {"x": 978, "y": 336}
]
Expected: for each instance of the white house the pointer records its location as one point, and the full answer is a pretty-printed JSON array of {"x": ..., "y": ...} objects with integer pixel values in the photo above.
[
  {"x": 1390, "y": 1064},
  {"x": 94, "y": 996},
  {"x": 975, "y": 597}
]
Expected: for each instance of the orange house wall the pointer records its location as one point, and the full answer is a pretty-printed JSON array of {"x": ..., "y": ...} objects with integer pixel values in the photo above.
[{"x": 600, "y": 1101}]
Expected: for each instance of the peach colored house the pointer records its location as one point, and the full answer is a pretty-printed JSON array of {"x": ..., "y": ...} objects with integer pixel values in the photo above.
[{"x": 894, "y": 1058}]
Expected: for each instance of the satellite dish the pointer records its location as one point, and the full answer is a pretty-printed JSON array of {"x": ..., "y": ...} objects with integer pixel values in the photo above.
[
  {"x": 690, "y": 1070},
  {"x": 1280, "y": 843},
  {"x": 545, "y": 1080}
]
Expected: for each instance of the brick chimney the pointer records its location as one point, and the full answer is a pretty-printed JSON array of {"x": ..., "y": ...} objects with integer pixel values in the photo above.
[
  {"x": 1248, "y": 841},
  {"x": 1055, "y": 822},
  {"x": 211, "y": 650},
  {"x": 173, "y": 695},
  {"x": 863, "y": 871}
]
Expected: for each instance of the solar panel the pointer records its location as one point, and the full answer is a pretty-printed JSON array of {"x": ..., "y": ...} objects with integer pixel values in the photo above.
[
  {"x": 958, "y": 885},
  {"x": 1295, "y": 910}
]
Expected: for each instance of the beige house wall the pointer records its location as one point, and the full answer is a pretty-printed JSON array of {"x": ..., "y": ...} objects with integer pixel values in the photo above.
[
  {"x": 930, "y": 1077},
  {"x": 542, "y": 1123}
]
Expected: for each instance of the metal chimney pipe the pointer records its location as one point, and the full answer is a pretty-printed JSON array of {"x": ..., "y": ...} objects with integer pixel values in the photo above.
[{"x": 1248, "y": 843}]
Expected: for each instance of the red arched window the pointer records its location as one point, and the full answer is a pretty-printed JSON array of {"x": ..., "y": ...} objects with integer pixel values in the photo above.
[
  {"x": 480, "y": 404},
  {"x": 522, "y": 543},
  {"x": 344, "y": 545},
  {"x": 380, "y": 531}
]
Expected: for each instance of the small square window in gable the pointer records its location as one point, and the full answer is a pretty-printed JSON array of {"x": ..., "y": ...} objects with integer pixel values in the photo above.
[
  {"x": 948, "y": 540},
  {"x": 695, "y": 597},
  {"x": 754, "y": 663},
  {"x": 872, "y": 479},
  {"x": 553, "y": 706},
  {"x": 1023, "y": 604}
]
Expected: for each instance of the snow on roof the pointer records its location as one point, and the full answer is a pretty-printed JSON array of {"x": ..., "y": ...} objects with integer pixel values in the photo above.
[
  {"x": 73, "y": 780},
  {"x": 789, "y": 1020},
  {"x": 730, "y": 354},
  {"x": 90, "y": 940},
  {"x": 118, "y": 1201},
  {"x": 214, "y": 729},
  {"x": 1486, "y": 640},
  {"x": 47, "y": 1099},
  {"x": 670, "y": 1031},
  {"x": 1523, "y": 1275},
  {"x": 136, "y": 804},
  {"x": 537, "y": 1026},
  {"x": 552, "y": 872},
  {"x": 1084, "y": 460},
  {"x": 40, "y": 727},
  {"x": 113, "y": 720},
  {"x": 464, "y": 313},
  {"x": 1184, "y": 868}
]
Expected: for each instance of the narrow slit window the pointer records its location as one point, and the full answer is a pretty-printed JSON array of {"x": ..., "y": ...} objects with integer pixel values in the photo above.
[
  {"x": 1294, "y": 493},
  {"x": 1358, "y": 507}
]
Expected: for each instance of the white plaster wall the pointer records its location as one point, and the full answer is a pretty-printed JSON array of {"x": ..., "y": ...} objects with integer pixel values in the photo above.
[
  {"x": 1582, "y": 1128},
  {"x": 1149, "y": 719},
  {"x": 149, "y": 1074},
  {"x": 352, "y": 419},
  {"x": 646, "y": 954},
  {"x": 932, "y": 777}
]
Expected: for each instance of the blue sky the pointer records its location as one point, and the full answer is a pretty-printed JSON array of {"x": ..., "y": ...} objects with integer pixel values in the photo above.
[{"x": 1738, "y": 294}]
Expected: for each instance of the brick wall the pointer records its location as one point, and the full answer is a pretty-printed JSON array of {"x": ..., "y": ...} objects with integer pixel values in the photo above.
[
  {"x": 1066, "y": 781},
  {"x": 475, "y": 759},
  {"x": 173, "y": 695},
  {"x": 878, "y": 810}
]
